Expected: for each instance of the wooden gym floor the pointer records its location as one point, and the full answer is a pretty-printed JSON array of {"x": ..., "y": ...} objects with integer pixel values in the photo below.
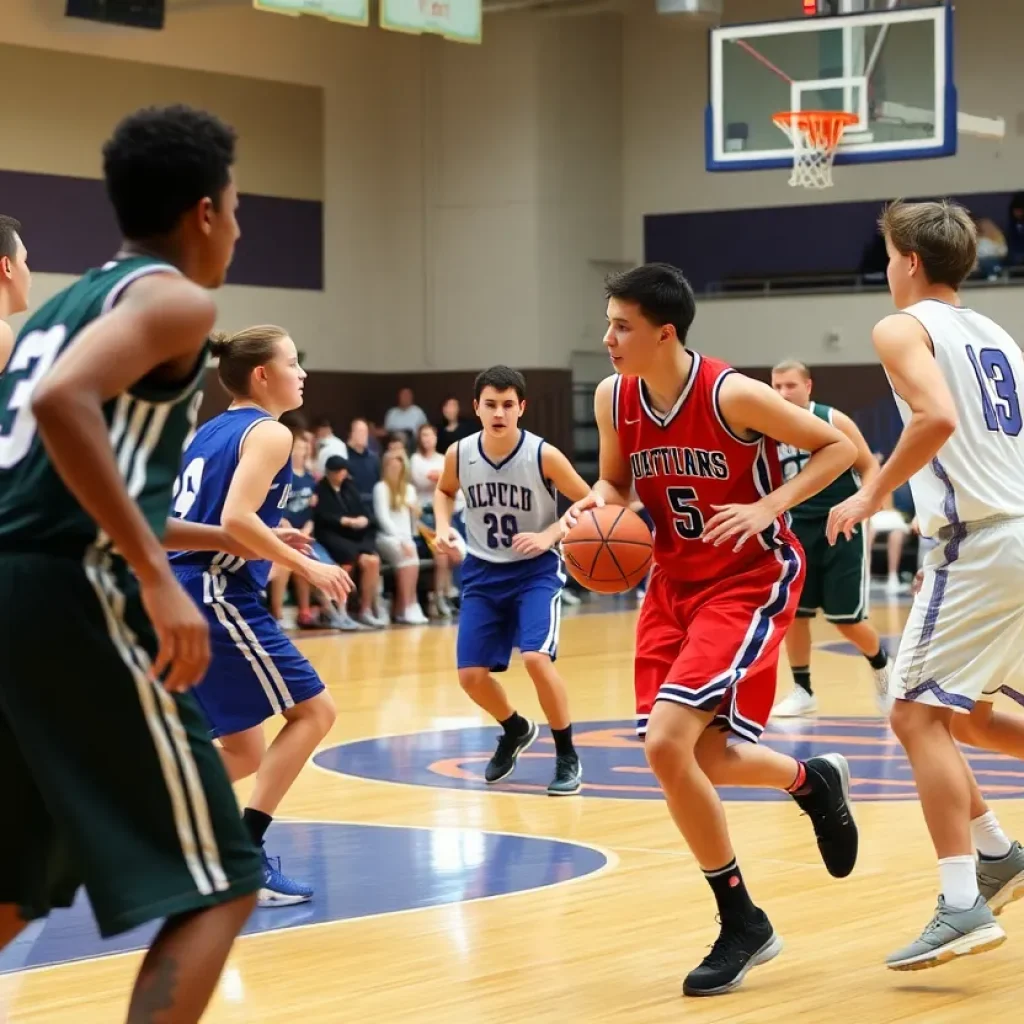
[{"x": 440, "y": 900}]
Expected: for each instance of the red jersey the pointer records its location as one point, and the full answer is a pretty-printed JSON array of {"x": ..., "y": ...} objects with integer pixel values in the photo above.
[{"x": 687, "y": 461}]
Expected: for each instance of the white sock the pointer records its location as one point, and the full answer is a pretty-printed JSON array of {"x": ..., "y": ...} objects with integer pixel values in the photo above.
[
  {"x": 989, "y": 839},
  {"x": 959, "y": 880}
]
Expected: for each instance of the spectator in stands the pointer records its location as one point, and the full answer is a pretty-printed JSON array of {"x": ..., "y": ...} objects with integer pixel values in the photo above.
[
  {"x": 453, "y": 427},
  {"x": 397, "y": 441},
  {"x": 327, "y": 444},
  {"x": 1015, "y": 231},
  {"x": 363, "y": 463},
  {"x": 299, "y": 514},
  {"x": 425, "y": 469},
  {"x": 342, "y": 524},
  {"x": 396, "y": 511},
  {"x": 407, "y": 416},
  {"x": 992, "y": 249}
]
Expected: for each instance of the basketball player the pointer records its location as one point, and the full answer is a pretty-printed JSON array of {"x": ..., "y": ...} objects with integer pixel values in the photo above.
[
  {"x": 512, "y": 576},
  {"x": 15, "y": 281},
  {"x": 110, "y": 777},
  {"x": 692, "y": 435},
  {"x": 837, "y": 576},
  {"x": 237, "y": 472},
  {"x": 955, "y": 376}
]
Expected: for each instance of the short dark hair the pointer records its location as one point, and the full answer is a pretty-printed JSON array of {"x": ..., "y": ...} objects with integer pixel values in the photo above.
[
  {"x": 660, "y": 290},
  {"x": 9, "y": 229},
  {"x": 942, "y": 234},
  {"x": 160, "y": 162},
  {"x": 501, "y": 378}
]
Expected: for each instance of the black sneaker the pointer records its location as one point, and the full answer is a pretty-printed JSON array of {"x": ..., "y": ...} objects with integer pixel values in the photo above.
[
  {"x": 509, "y": 748},
  {"x": 568, "y": 776},
  {"x": 740, "y": 946},
  {"x": 827, "y": 804}
]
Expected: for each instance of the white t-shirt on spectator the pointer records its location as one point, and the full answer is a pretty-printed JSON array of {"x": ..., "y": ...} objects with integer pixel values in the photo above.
[
  {"x": 395, "y": 522},
  {"x": 419, "y": 467},
  {"x": 410, "y": 420},
  {"x": 327, "y": 447}
]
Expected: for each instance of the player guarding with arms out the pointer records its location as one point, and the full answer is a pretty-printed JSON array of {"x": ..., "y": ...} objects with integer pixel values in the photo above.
[
  {"x": 692, "y": 436},
  {"x": 837, "y": 576},
  {"x": 955, "y": 376},
  {"x": 237, "y": 473},
  {"x": 112, "y": 780},
  {"x": 15, "y": 281},
  {"x": 512, "y": 576}
]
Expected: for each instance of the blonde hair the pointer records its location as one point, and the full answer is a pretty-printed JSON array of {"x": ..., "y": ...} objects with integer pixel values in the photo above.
[
  {"x": 241, "y": 353},
  {"x": 792, "y": 364},
  {"x": 400, "y": 489},
  {"x": 942, "y": 234}
]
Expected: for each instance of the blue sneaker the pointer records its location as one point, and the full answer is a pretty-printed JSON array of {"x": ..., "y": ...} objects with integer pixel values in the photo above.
[{"x": 279, "y": 890}]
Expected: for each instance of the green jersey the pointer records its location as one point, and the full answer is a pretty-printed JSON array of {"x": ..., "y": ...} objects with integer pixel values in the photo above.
[
  {"x": 148, "y": 424},
  {"x": 792, "y": 460}
]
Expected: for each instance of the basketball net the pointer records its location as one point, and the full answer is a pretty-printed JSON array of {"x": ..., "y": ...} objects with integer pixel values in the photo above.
[{"x": 815, "y": 135}]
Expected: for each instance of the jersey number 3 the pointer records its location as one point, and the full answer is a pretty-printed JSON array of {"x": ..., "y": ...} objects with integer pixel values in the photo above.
[
  {"x": 688, "y": 521},
  {"x": 32, "y": 357},
  {"x": 994, "y": 372}
]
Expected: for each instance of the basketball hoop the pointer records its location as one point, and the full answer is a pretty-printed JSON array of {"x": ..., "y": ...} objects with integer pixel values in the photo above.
[{"x": 815, "y": 134}]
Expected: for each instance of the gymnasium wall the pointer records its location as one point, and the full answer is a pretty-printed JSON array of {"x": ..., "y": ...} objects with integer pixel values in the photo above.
[{"x": 463, "y": 188}]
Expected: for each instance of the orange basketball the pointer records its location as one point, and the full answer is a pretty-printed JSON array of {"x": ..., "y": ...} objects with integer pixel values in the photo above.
[{"x": 609, "y": 550}]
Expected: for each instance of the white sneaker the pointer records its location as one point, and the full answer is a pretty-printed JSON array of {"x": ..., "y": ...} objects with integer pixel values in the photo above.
[
  {"x": 796, "y": 704},
  {"x": 412, "y": 616}
]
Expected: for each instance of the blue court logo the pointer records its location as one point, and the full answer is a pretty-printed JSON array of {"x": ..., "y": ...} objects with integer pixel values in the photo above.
[{"x": 614, "y": 764}]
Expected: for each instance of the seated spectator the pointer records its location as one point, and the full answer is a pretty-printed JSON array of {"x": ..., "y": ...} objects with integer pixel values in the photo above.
[
  {"x": 1015, "y": 231},
  {"x": 398, "y": 441},
  {"x": 453, "y": 427},
  {"x": 299, "y": 514},
  {"x": 425, "y": 470},
  {"x": 394, "y": 505},
  {"x": 363, "y": 463},
  {"x": 992, "y": 249},
  {"x": 342, "y": 524},
  {"x": 406, "y": 417},
  {"x": 327, "y": 444}
]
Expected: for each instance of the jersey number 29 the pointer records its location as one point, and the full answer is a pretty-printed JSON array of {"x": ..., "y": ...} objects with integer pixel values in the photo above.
[
  {"x": 993, "y": 370},
  {"x": 500, "y": 531}
]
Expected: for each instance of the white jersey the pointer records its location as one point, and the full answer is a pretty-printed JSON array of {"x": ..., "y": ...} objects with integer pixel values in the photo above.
[
  {"x": 979, "y": 472},
  {"x": 504, "y": 498}
]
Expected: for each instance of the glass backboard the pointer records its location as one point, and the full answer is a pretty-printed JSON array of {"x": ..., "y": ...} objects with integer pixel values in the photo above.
[{"x": 892, "y": 69}]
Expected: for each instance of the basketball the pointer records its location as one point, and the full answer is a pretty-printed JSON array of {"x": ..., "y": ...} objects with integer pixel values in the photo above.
[{"x": 609, "y": 550}]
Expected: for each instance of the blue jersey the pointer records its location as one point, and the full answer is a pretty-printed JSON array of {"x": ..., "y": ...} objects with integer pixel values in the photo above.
[
  {"x": 208, "y": 465},
  {"x": 300, "y": 503}
]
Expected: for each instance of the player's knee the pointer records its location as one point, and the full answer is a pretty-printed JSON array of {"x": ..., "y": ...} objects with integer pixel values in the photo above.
[
  {"x": 323, "y": 712},
  {"x": 666, "y": 753},
  {"x": 472, "y": 678},
  {"x": 537, "y": 664}
]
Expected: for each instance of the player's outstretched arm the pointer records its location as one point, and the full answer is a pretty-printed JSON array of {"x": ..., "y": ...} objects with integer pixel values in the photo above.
[
  {"x": 266, "y": 448},
  {"x": 182, "y": 535},
  {"x": 162, "y": 320},
  {"x": 905, "y": 350},
  {"x": 615, "y": 483},
  {"x": 447, "y": 488}
]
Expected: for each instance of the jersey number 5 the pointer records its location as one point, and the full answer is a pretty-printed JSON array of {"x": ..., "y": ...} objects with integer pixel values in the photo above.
[
  {"x": 991, "y": 367},
  {"x": 33, "y": 356},
  {"x": 688, "y": 521}
]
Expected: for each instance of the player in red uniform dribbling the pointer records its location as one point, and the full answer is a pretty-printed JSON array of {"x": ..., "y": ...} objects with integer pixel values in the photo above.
[{"x": 691, "y": 434}]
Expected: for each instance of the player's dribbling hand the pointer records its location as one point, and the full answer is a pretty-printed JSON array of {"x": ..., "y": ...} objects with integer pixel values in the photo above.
[
  {"x": 294, "y": 539},
  {"x": 845, "y": 517},
  {"x": 572, "y": 515},
  {"x": 183, "y": 637},
  {"x": 332, "y": 580},
  {"x": 739, "y": 521},
  {"x": 447, "y": 542},
  {"x": 531, "y": 543}
]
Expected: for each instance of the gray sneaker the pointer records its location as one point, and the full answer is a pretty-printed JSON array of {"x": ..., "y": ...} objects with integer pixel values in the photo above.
[
  {"x": 952, "y": 933},
  {"x": 1001, "y": 881}
]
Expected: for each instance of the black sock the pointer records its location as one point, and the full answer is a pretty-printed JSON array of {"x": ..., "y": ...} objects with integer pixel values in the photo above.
[
  {"x": 563, "y": 742},
  {"x": 802, "y": 678},
  {"x": 257, "y": 823},
  {"x": 879, "y": 660},
  {"x": 515, "y": 725},
  {"x": 734, "y": 903}
]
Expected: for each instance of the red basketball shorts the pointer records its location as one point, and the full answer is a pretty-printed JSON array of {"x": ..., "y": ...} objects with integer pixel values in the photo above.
[{"x": 714, "y": 646}]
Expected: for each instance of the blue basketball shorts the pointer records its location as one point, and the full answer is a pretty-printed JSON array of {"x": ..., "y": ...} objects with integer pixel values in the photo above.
[
  {"x": 255, "y": 671},
  {"x": 495, "y": 619}
]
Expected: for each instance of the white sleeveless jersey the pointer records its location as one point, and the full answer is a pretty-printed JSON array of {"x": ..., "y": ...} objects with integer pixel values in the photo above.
[
  {"x": 979, "y": 472},
  {"x": 504, "y": 498}
]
